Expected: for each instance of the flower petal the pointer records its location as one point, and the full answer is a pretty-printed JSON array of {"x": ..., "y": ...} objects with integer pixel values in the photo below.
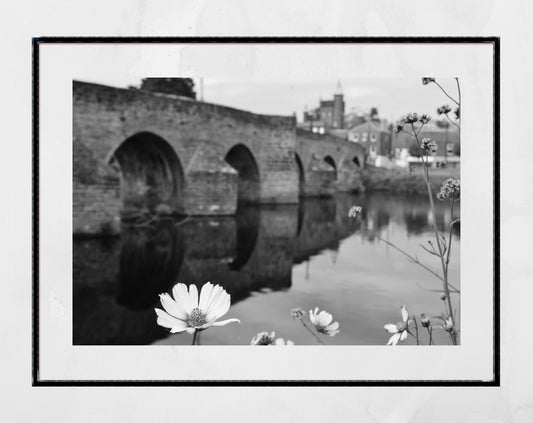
[
  {"x": 312, "y": 316},
  {"x": 205, "y": 296},
  {"x": 193, "y": 295},
  {"x": 333, "y": 326},
  {"x": 178, "y": 329},
  {"x": 325, "y": 318},
  {"x": 403, "y": 336},
  {"x": 166, "y": 320},
  {"x": 405, "y": 314},
  {"x": 181, "y": 297},
  {"x": 225, "y": 322},
  {"x": 391, "y": 328},
  {"x": 172, "y": 307},
  {"x": 220, "y": 305},
  {"x": 332, "y": 332},
  {"x": 394, "y": 339}
]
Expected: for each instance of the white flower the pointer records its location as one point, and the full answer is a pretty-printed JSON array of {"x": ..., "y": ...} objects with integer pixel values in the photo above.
[
  {"x": 188, "y": 313},
  {"x": 263, "y": 338},
  {"x": 354, "y": 211},
  {"x": 448, "y": 324},
  {"x": 322, "y": 322},
  {"x": 281, "y": 342},
  {"x": 400, "y": 329}
]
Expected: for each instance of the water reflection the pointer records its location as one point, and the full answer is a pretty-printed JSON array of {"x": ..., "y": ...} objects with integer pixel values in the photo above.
[{"x": 117, "y": 282}]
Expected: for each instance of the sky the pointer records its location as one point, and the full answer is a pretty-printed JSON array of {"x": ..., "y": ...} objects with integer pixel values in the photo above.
[{"x": 392, "y": 97}]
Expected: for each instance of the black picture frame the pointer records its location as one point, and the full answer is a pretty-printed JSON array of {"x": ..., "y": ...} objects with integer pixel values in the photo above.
[{"x": 38, "y": 41}]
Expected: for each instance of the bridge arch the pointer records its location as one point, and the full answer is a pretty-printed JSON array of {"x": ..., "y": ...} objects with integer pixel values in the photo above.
[
  {"x": 301, "y": 175},
  {"x": 355, "y": 160},
  {"x": 329, "y": 160},
  {"x": 243, "y": 161},
  {"x": 152, "y": 177}
]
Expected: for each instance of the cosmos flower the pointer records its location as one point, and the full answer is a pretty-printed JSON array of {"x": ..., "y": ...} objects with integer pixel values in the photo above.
[
  {"x": 424, "y": 320},
  {"x": 399, "y": 330},
  {"x": 447, "y": 324},
  {"x": 281, "y": 342},
  {"x": 323, "y": 322},
  {"x": 354, "y": 211},
  {"x": 186, "y": 312},
  {"x": 263, "y": 338}
]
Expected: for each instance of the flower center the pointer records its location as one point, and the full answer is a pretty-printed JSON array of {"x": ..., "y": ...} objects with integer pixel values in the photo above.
[
  {"x": 401, "y": 326},
  {"x": 196, "y": 318}
]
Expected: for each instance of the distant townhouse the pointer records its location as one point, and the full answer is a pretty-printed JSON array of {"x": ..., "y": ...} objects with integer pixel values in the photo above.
[
  {"x": 375, "y": 137},
  {"x": 445, "y": 135}
]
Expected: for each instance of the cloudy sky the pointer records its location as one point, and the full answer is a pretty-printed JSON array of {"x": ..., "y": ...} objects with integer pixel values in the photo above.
[{"x": 392, "y": 97}]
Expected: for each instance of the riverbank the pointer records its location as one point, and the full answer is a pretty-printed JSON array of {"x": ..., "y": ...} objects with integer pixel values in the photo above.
[{"x": 403, "y": 181}]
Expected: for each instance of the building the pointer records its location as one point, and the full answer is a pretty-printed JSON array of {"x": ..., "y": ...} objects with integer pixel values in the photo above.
[
  {"x": 445, "y": 135},
  {"x": 375, "y": 137},
  {"x": 329, "y": 115}
]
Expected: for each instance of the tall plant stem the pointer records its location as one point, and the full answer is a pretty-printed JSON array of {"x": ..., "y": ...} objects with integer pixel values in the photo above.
[
  {"x": 447, "y": 95},
  {"x": 435, "y": 229},
  {"x": 312, "y": 333},
  {"x": 416, "y": 331},
  {"x": 415, "y": 261},
  {"x": 430, "y": 332}
]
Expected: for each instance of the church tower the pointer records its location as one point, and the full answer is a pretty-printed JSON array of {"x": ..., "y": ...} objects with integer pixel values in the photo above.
[{"x": 338, "y": 108}]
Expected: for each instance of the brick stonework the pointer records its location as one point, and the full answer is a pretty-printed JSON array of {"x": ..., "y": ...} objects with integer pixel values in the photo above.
[{"x": 123, "y": 140}]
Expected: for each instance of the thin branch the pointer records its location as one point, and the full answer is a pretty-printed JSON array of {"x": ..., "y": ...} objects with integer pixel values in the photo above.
[
  {"x": 451, "y": 121},
  {"x": 414, "y": 260},
  {"x": 444, "y": 91}
]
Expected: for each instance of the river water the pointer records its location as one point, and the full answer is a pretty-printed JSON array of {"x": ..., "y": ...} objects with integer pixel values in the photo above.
[{"x": 270, "y": 259}]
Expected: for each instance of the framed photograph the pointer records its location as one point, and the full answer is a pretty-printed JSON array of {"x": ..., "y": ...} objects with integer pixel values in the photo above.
[{"x": 266, "y": 211}]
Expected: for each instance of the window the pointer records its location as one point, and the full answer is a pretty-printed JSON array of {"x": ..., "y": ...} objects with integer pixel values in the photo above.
[
  {"x": 372, "y": 149},
  {"x": 315, "y": 129},
  {"x": 355, "y": 137},
  {"x": 321, "y": 130},
  {"x": 373, "y": 137},
  {"x": 449, "y": 148},
  {"x": 364, "y": 137}
]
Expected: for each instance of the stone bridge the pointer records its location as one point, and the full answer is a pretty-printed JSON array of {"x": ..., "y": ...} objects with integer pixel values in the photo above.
[{"x": 137, "y": 152}]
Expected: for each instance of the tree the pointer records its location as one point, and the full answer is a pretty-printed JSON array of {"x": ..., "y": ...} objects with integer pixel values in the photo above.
[
  {"x": 457, "y": 149},
  {"x": 414, "y": 150},
  {"x": 177, "y": 86}
]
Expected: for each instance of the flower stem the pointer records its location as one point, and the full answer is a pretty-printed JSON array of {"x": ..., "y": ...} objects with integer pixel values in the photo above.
[
  {"x": 194, "y": 337},
  {"x": 446, "y": 287},
  {"x": 430, "y": 332},
  {"x": 444, "y": 91},
  {"x": 416, "y": 329},
  {"x": 312, "y": 333}
]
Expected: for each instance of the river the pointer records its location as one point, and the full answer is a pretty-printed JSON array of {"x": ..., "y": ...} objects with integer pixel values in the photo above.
[{"x": 271, "y": 259}]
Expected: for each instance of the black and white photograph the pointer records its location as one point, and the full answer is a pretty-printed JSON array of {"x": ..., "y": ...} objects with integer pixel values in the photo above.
[{"x": 267, "y": 212}]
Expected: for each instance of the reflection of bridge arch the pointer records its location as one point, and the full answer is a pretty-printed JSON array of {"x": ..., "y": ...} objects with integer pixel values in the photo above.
[
  {"x": 242, "y": 160},
  {"x": 151, "y": 174},
  {"x": 329, "y": 160},
  {"x": 301, "y": 175},
  {"x": 150, "y": 260}
]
